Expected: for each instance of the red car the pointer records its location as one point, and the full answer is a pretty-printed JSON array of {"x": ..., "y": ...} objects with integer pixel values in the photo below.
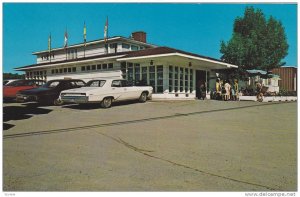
[{"x": 10, "y": 90}]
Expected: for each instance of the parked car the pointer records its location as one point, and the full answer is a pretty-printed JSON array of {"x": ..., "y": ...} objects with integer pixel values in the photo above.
[
  {"x": 7, "y": 81},
  {"x": 49, "y": 92},
  {"x": 105, "y": 92},
  {"x": 10, "y": 90}
]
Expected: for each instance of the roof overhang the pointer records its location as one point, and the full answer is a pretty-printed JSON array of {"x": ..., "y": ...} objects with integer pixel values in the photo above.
[
  {"x": 210, "y": 63},
  {"x": 69, "y": 63}
]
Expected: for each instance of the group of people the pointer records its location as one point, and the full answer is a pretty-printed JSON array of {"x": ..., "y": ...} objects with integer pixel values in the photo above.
[{"x": 227, "y": 90}]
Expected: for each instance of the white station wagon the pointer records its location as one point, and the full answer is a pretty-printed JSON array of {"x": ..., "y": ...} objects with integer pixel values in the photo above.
[{"x": 106, "y": 91}]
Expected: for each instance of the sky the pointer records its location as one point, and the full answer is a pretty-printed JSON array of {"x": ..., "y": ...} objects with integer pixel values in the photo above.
[{"x": 195, "y": 27}]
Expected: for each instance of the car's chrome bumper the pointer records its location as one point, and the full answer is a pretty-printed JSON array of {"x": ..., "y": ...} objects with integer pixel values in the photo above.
[
  {"x": 22, "y": 97},
  {"x": 74, "y": 99}
]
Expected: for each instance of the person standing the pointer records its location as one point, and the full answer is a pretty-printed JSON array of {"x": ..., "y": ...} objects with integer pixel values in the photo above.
[
  {"x": 202, "y": 91},
  {"x": 236, "y": 89},
  {"x": 227, "y": 89},
  {"x": 218, "y": 89}
]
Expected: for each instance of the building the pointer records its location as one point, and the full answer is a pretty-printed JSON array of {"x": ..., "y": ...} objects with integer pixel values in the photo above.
[
  {"x": 173, "y": 73},
  {"x": 288, "y": 76}
]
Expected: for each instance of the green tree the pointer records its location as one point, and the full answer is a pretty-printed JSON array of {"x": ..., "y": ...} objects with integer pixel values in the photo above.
[
  {"x": 13, "y": 76},
  {"x": 256, "y": 43}
]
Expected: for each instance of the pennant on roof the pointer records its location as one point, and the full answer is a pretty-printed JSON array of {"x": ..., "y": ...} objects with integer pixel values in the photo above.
[
  {"x": 84, "y": 34},
  {"x": 66, "y": 39}
]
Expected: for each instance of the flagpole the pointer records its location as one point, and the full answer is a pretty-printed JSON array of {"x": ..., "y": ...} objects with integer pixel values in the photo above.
[
  {"x": 66, "y": 42},
  {"x": 84, "y": 39},
  {"x": 106, "y": 35},
  {"x": 49, "y": 46},
  {"x": 107, "y": 27}
]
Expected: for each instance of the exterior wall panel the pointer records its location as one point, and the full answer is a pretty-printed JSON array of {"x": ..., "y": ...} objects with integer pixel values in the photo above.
[{"x": 288, "y": 76}]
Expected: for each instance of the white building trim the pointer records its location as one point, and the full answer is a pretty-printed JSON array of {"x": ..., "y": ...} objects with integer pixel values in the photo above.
[
  {"x": 70, "y": 63},
  {"x": 207, "y": 60},
  {"x": 95, "y": 42},
  {"x": 180, "y": 55},
  {"x": 146, "y": 56}
]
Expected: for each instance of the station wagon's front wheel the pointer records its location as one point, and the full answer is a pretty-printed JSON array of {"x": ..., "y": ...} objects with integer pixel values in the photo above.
[
  {"x": 143, "y": 97},
  {"x": 106, "y": 102}
]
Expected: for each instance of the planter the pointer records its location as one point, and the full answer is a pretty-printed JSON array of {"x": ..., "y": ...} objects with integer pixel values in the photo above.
[{"x": 269, "y": 98}]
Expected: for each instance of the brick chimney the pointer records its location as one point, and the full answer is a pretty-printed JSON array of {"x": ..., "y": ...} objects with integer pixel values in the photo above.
[{"x": 139, "y": 36}]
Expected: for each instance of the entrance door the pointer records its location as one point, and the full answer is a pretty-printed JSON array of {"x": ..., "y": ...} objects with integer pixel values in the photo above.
[{"x": 200, "y": 79}]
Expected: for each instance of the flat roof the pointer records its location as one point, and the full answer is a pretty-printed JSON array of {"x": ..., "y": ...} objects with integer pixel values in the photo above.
[{"x": 124, "y": 56}]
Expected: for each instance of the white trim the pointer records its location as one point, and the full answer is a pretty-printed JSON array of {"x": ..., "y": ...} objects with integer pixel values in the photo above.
[
  {"x": 68, "y": 63},
  {"x": 95, "y": 42},
  {"x": 76, "y": 45},
  {"x": 146, "y": 56},
  {"x": 133, "y": 58},
  {"x": 181, "y": 55},
  {"x": 208, "y": 60}
]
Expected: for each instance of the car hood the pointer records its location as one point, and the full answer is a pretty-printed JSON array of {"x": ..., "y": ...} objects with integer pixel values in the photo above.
[
  {"x": 8, "y": 87},
  {"x": 35, "y": 91},
  {"x": 82, "y": 90}
]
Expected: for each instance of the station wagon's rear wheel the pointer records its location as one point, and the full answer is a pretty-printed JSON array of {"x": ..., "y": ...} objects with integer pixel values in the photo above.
[
  {"x": 143, "y": 97},
  {"x": 106, "y": 102}
]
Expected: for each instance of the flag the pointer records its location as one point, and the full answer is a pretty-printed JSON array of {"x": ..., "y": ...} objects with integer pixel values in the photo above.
[
  {"x": 84, "y": 34},
  {"x": 106, "y": 30},
  {"x": 66, "y": 39},
  {"x": 49, "y": 43}
]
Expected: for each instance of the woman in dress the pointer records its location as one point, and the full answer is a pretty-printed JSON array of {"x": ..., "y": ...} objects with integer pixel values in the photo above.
[{"x": 227, "y": 88}]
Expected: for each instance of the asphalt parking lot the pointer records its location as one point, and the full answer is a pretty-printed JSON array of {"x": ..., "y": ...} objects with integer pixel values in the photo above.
[{"x": 153, "y": 146}]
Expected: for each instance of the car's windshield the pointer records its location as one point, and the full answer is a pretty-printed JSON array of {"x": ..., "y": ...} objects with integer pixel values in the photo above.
[
  {"x": 16, "y": 83},
  {"x": 25, "y": 83},
  {"x": 19, "y": 83},
  {"x": 95, "y": 83},
  {"x": 51, "y": 84}
]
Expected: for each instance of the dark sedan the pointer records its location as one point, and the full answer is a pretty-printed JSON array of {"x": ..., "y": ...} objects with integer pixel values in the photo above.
[{"x": 49, "y": 92}]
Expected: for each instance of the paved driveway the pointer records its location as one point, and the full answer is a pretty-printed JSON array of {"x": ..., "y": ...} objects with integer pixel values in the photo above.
[{"x": 156, "y": 146}]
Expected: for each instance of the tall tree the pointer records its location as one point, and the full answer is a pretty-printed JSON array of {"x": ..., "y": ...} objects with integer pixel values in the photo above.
[
  {"x": 13, "y": 76},
  {"x": 256, "y": 43}
]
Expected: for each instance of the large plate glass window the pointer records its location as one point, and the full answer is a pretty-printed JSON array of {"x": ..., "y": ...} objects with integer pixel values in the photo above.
[
  {"x": 171, "y": 78},
  {"x": 181, "y": 79},
  {"x": 186, "y": 79},
  {"x": 137, "y": 74},
  {"x": 130, "y": 72},
  {"x": 144, "y": 75},
  {"x": 152, "y": 77},
  {"x": 191, "y": 80},
  {"x": 123, "y": 69},
  {"x": 104, "y": 66},
  {"x": 176, "y": 79},
  {"x": 160, "y": 80}
]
